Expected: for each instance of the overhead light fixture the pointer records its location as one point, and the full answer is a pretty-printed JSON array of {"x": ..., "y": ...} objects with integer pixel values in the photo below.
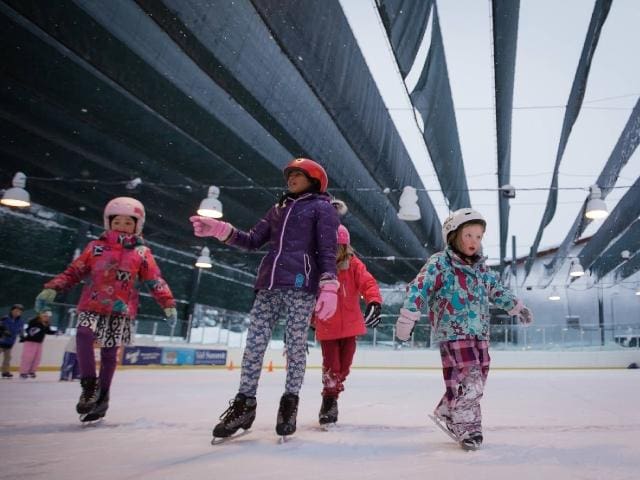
[
  {"x": 409, "y": 209},
  {"x": 133, "y": 183},
  {"x": 508, "y": 191},
  {"x": 596, "y": 208},
  {"x": 204, "y": 260},
  {"x": 211, "y": 206},
  {"x": 576, "y": 269},
  {"x": 554, "y": 296},
  {"x": 17, "y": 196}
]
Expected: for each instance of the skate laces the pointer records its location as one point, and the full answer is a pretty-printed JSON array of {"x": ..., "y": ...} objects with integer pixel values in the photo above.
[
  {"x": 231, "y": 412},
  {"x": 89, "y": 389},
  {"x": 288, "y": 406},
  {"x": 237, "y": 408},
  {"x": 328, "y": 404}
]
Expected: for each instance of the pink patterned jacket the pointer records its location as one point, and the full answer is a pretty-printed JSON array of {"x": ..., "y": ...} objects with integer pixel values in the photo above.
[{"x": 111, "y": 268}]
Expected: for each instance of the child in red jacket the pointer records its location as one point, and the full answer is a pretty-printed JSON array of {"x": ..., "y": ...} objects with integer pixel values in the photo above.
[
  {"x": 111, "y": 267},
  {"x": 337, "y": 334}
]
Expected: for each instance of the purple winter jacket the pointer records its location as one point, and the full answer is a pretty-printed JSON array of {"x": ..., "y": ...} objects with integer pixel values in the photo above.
[{"x": 302, "y": 236}]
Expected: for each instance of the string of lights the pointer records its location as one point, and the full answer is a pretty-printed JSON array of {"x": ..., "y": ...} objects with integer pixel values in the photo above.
[{"x": 134, "y": 183}]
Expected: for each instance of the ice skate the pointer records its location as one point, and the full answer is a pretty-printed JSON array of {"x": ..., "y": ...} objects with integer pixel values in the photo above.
[
  {"x": 468, "y": 441},
  {"x": 89, "y": 395},
  {"x": 240, "y": 414},
  {"x": 328, "y": 415},
  {"x": 471, "y": 441},
  {"x": 443, "y": 423},
  {"x": 287, "y": 413},
  {"x": 99, "y": 410}
]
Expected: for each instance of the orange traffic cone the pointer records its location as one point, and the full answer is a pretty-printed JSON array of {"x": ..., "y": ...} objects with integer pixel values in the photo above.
[
  {"x": 270, "y": 367},
  {"x": 230, "y": 367}
]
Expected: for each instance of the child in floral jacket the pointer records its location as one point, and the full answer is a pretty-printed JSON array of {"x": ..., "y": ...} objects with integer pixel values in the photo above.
[{"x": 458, "y": 287}]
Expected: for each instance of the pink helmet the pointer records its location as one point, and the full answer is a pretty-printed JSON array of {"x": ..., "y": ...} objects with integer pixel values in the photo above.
[
  {"x": 343, "y": 235},
  {"x": 125, "y": 206}
]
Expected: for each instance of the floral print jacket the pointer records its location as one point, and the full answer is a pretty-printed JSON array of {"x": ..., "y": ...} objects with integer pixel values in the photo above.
[
  {"x": 458, "y": 296},
  {"x": 112, "y": 267}
]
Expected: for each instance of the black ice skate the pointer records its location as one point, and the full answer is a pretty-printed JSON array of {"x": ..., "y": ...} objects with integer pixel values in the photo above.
[
  {"x": 287, "y": 413},
  {"x": 99, "y": 410},
  {"x": 328, "y": 411},
  {"x": 89, "y": 395},
  {"x": 7, "y": 375},
  {"x": 240, "y": 414}
]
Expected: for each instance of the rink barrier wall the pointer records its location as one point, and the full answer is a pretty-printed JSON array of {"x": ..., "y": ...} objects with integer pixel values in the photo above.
[{"x": 172, "y": 355}]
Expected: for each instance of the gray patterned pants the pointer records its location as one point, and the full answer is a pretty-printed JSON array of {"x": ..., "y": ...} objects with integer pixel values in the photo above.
[{"x": 296, "y": 307}]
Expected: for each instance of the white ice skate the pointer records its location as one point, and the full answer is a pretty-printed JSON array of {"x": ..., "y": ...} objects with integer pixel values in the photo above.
[{"x": 469, "y": 442}]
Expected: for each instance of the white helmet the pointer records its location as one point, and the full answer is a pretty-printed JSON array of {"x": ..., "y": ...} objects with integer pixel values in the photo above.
[
  {"x": 125, "y": 206},
  {"x": 459, "y": 217}
]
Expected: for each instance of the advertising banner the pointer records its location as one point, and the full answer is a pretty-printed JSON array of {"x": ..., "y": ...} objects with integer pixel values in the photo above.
[
  {"x": 141, "y": 355},
  {"x": 178, "y": 356},
  {"x": 210, "y": 357}
]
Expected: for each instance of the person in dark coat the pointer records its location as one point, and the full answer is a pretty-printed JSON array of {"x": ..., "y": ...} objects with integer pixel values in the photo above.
[
  {"x": 11, "y": 327},
  {"x": 297, "y": 274}
]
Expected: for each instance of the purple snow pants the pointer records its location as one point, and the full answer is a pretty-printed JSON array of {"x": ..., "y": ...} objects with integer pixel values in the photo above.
[{"x": 87, "y": 361}]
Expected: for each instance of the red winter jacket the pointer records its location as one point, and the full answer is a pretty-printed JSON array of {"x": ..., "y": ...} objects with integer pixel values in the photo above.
[
  {"x": 348, "y": 320},
  {"x": 111, "y": 268}
]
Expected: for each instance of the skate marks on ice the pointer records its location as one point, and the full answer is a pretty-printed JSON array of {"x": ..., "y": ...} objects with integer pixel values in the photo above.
[
  {"x": 629, "y": 427},
  {"x": 73, "y": 425}
]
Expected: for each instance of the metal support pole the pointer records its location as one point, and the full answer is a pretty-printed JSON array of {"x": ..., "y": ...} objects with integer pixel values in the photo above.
[
  {"x": 601, "y": 315},
  {"x": 613, "y": 317}
]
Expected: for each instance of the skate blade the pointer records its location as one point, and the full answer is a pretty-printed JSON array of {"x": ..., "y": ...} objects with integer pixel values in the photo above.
[
  {"x": 469, "y": 448},
  {"x": 444, "y": 428},
  {"x": 88, "y": 420},
  {"x": 221, "y": 440},
  {"x": 327, "y": 427}
]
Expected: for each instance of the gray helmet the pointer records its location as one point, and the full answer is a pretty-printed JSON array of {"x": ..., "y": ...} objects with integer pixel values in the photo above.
[{"x": 459, "y": 217}]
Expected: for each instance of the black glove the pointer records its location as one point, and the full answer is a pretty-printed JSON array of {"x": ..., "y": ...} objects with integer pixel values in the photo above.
[{"x": 372, "y": 315}]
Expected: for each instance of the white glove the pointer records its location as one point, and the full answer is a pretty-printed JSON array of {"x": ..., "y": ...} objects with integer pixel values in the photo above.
[
  {"x": 405, "y": 323},
  {"x": 44, "y": 298}
]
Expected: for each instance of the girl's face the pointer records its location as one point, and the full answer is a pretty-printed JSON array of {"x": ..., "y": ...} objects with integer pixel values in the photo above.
[
  {"x": 297, "y": 182},
  {"x": 470, "y": 239},
  {"x": 123, "y": 224}
]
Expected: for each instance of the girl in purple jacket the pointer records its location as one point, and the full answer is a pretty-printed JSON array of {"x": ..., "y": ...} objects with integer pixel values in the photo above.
[{"x": 299, "y": 267}]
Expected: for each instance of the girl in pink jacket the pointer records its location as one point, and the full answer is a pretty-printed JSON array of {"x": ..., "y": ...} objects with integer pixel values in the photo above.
[
  {"x": 111, "y": 267},
  {"x": 337, "y": 334}
]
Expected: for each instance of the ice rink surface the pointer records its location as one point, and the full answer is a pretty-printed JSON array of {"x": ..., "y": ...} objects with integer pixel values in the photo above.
[{"x": 538, "y": 424}]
